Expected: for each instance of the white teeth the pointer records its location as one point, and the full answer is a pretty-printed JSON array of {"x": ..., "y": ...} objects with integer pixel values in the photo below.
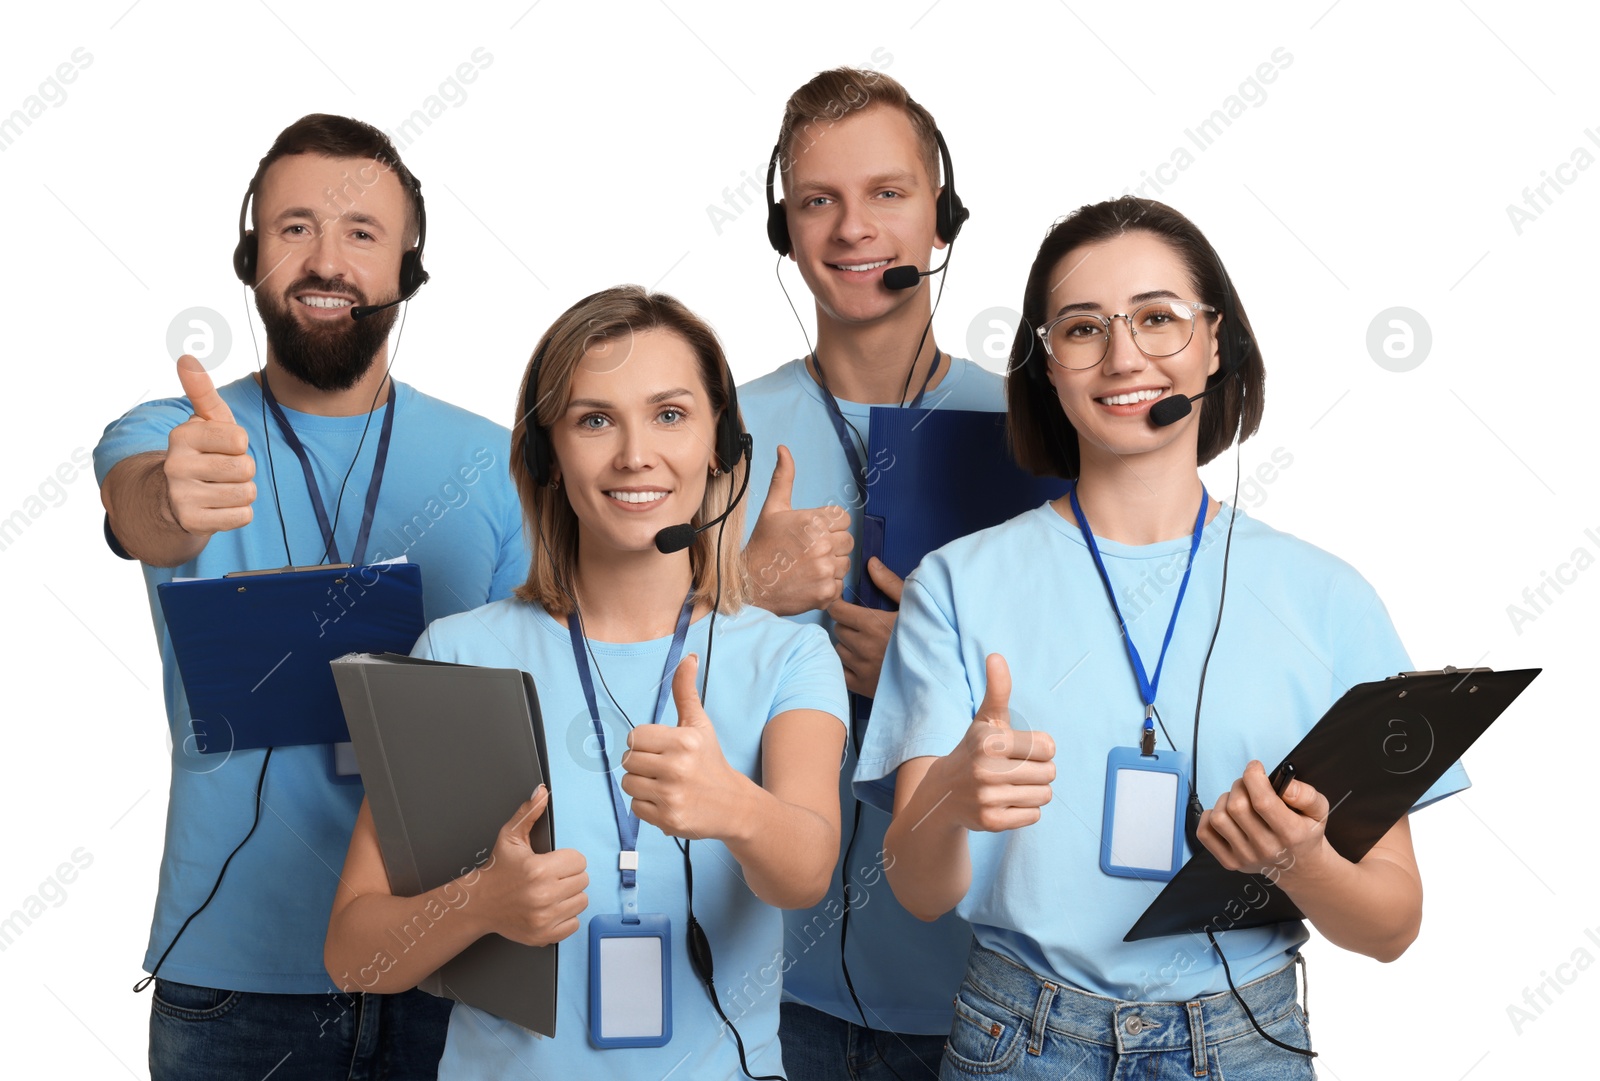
[
  {"x": 637, "y": 497},
  {"x": 1130, "y": 399},
  {"x": 325, "y": 302},
  {"x": 863, "y": 266}
]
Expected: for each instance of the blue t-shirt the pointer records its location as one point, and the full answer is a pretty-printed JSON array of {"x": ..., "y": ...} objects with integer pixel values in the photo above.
[
  {"x": 1300, "y": 628},
  {"x": 762, "y": 666},
  {"x": 904, "y": 971},
  {"x": 448, "y": 505}
]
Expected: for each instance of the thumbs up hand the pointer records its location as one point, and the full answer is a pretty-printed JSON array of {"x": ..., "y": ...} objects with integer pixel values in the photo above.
[
  {"x": 998, "y": 777},
  {"x": 208, "y": 465},
  {"x": 798, "y": 558},
  {"x": 676, "y": 775}
]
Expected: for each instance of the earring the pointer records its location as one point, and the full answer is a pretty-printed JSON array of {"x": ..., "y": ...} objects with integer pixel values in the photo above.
[{"x": 555, "y": 482}]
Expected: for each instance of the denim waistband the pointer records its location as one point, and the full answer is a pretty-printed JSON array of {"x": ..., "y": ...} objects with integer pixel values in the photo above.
[{"x": 1127, "y": 1026}]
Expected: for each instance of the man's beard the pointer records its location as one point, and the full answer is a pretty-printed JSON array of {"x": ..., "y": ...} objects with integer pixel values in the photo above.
[{"x": 329, "y": 357}]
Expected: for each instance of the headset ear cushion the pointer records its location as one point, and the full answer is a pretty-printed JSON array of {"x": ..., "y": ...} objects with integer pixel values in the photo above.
[
  {"x": 778, "y": 229},
  {"x": 412, "y": 274},
  {"x": 244, "y": 259}
]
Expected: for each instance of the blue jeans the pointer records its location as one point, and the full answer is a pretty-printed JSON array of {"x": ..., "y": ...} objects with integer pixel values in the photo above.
[
  {"x": 203, "y": 1033},
  {"x": 1010, "y": 1023},
  {"x": 818, "y": 1046}
]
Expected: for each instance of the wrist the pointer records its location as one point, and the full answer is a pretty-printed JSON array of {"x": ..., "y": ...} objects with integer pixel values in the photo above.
[
  {"x": 1308, "y": 870},
  {"x": 744, "y": 810}
]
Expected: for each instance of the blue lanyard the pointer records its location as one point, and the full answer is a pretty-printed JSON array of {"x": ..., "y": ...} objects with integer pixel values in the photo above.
[
  {"x": 1147, "y": 684},
  {"x": 842, "y": 429},
  {"x": 627, "y": 821},
  {"x": 330, "y": 551}
]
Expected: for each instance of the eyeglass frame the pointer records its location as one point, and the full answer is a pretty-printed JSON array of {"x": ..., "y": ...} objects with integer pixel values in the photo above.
[{"x": 1127, "y": 317}]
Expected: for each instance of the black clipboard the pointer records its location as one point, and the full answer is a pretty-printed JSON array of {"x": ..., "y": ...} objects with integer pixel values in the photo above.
[{"x": 1373, "y": 755}]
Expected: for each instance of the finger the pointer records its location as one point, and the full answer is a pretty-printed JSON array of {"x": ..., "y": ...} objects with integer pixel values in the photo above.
[
  {"x": 781, "y": 490},
  {"x": 847, "y": 615},
  {"x": 523, "y": 818},
  {"x": 213, "y": 437},
  {"x": 1022, "y": 744},
  {"x": 890, "y": 583},
  {"x": 684, "y": 695},
  {"x": 996, "y": 706},
  {"x": 840, "y": 542},
  {"x": 1307, "y": 800},
  {"x": 202, "y": 394}
]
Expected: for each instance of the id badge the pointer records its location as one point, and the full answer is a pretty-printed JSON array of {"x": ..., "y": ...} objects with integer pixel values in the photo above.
[
  {"x": 630, "y": 981},
  {"x": 1141, "y": 835}
]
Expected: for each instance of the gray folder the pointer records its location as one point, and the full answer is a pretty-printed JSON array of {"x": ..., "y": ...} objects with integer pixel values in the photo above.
[{"x": 447, "y": 753}]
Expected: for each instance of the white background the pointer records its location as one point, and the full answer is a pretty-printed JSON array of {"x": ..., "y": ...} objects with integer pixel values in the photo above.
[{"x": 1375, "y": 173}]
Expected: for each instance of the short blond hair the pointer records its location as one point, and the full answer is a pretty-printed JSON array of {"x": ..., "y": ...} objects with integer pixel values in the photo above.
[{"x": 832, "y": 95}]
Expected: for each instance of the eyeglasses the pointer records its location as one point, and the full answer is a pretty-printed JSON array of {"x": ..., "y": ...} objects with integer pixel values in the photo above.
[{"x": 1080, "y": 340}]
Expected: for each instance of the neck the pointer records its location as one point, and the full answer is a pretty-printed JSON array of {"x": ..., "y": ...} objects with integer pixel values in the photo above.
[
  {"x": 867, "y": 363},
  {"x": 1146, "y": 507},
  {"x": 630, "y": 596},
  {"x": 368, "y": 393}
]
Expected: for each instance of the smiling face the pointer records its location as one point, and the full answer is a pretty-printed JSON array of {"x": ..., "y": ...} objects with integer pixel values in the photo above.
[
  {"x": 859, "y": 200},
  {"x": 1109, "y": 403},
  {"x": 633, "y": 448},
  {"x": 331, "y": 233}
]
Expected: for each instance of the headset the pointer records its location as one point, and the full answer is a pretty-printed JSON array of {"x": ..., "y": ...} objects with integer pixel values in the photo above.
[
  {"x": 950, "y": 212},
  {"x": 412, "y": 274},
  {"x": 539, "y": 456}
]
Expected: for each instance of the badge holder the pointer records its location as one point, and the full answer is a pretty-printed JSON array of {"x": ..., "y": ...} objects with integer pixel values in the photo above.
[
  {"x": 1141, "y": 833},
  {"x": 630, "y": 979}
]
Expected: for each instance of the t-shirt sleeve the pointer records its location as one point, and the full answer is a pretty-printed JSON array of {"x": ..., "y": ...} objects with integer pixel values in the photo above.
[
  {"x": 512, "y": 563},
  {"x": 924, "y": 703},
  {"x": 142, "y": 428},
  {"x": 1370, "y": 650},
  {"x": 812, "y": 677}
]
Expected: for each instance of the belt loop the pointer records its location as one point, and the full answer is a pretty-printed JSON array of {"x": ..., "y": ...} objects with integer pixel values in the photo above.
[
  {"x": 1305, "y": 979},
  {"x": 1197, "y": 1038},
  {"x": 1041, "y": 1015}
]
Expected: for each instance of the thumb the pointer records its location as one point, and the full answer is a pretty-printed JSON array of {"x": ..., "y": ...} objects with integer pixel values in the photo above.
[
  {"x": 887, "y": 580},
  {"x": 202, "y": 394},
  {"x": 781, "y": 491},
  {"x": 996, "y": 706},
  {"x": 527, "y": 813},
  {"x": 1305, "y": 799},
  {"x": 690, "y": 713}
]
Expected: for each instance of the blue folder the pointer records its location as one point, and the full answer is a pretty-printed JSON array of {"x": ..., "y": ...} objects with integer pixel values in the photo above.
[
  {"x": 940, "y": 475},
  {"x": 253, "y": 650}
]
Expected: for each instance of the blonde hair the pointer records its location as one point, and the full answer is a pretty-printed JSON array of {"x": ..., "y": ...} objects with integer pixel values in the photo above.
[
  {"x": 549, "y": 520},
  {"x": 832, "y": 95}
]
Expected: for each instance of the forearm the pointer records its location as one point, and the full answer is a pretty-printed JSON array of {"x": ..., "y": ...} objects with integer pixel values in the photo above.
[
  {"x": 926, "y": 856},
  {"x": 1373, "y": 907},
  {"x": 136, "y": 500},
  {"x": 787, "y": 851},
  {"x": 386, "y": 944}
]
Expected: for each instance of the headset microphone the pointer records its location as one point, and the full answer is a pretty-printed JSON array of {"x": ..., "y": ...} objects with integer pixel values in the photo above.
[
  {"x": 1171, "y": 410},
  {"x": 907, "y": 277},
  {"x": 675, "y": 538},
  {"x": 361, "y": 311}
]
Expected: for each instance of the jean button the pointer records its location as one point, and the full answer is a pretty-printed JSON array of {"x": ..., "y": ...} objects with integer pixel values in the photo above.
[{"x": 1133, "y": 1025}]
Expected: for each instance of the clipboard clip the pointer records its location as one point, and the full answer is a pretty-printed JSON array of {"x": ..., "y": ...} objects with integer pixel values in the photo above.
[
  {"x": 1447, "y": 670},
  {"x": 290, "y": 570}
]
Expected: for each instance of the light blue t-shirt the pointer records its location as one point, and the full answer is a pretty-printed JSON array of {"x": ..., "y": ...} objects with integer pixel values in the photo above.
[
  {"x": 761, "y": 666},
  {"x": 905, "y": 971},
  {"x": 447, "y": 504},
  {"x": 1300, "y": 627}
]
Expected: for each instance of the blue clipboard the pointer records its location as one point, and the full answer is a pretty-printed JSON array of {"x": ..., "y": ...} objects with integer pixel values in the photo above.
[
  {"x": 939, "y": 474},
  {"x": 253, "y": 650}
]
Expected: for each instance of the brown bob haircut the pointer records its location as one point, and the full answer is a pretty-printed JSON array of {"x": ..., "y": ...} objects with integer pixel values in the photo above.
[
  {"x": 831, "y": 96},
  {"x": 615, "y": 315},
  {"x": 1043, "y": 440},
  {"x": 341, "y": 137}
]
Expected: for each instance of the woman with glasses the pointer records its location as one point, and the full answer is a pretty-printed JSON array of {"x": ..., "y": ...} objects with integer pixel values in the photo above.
[
  {"x": 1134, "y": 629},
  {"x": 688, "y": 800}
]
